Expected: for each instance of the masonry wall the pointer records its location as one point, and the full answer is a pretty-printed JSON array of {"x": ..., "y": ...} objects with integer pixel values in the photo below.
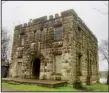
[
  {"x": 37, "y": 40},
  {"x": 85, "y": 44}
]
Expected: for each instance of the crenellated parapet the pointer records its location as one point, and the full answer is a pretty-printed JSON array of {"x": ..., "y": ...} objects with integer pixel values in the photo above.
[
  {"x": 44, "y": 18},
  {"x": 56, "y": 15},
  {"x": 69, "y": 13},
  {"x": 50, "y": 17},
  {"x": 18, "y": 26},
  {"x": 43, "y": 22},
  {"x": 39, "y": 20}
]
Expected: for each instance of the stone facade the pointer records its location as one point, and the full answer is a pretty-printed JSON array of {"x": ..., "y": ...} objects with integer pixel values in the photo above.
[{"x": 60, "y": 48}]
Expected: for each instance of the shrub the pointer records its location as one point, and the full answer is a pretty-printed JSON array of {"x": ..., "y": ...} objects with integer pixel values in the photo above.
[{"x": 77, "y": 85}]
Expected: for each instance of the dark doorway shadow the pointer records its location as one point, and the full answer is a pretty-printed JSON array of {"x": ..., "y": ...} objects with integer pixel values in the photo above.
[{"x": 36, "y": 68}]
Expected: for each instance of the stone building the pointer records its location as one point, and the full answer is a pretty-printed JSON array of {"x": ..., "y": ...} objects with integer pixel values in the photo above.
[{"x": 57, "y": 48}]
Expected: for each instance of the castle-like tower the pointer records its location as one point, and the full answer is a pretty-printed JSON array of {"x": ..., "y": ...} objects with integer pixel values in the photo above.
[{"x": 58, "y": 48}]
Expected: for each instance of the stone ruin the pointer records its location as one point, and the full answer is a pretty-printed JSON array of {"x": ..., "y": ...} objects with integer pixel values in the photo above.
[{"x": 58, "y": 48}]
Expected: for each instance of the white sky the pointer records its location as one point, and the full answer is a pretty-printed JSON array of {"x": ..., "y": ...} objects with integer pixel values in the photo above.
[{"x": 19, "y": 12}]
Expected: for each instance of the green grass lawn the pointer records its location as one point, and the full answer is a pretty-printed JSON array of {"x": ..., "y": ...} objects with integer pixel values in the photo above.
[
  {"x": 33, "y": 87},
  {"x": 97, "y": 87}
]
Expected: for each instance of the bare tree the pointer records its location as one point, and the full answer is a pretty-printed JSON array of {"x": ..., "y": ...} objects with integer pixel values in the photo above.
[
  {"x": 4, "y": 45},
  {"x": 103, "y": 12},
  {"x": 103, "y": 49}
]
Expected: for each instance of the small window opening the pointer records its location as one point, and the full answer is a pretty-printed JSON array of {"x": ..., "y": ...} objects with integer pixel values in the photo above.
[{"x": 58, "y": 33}]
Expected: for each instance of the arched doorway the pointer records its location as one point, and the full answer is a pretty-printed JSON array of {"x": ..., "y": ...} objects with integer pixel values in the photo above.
[{"x": 36, "y": 68}]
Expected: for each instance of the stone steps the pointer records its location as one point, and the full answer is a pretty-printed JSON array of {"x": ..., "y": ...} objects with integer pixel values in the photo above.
[
  {"x": 13, "y": 82},
  {"x": 46, "y": 83}
]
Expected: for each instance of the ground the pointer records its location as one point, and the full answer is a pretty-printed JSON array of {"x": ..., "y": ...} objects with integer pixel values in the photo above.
[{"x": 34, "y": 87}]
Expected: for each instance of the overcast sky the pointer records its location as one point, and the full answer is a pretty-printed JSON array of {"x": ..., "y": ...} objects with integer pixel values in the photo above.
[{"x": 19, "y": 12}]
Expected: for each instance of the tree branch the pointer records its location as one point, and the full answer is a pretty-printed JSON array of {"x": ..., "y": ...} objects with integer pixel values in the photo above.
[{"x": 105, "y": 13}]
